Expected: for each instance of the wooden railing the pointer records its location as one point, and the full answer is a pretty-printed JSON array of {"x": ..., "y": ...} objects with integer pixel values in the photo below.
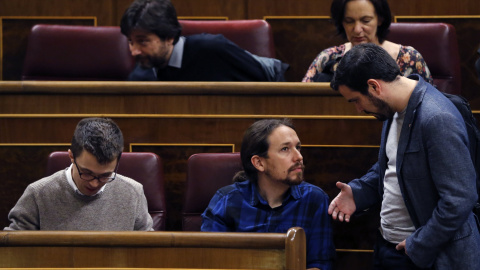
[{"x": 184, "y": 250}]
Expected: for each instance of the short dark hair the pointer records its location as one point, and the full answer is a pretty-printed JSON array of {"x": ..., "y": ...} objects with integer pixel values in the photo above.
[
  {"x": 364, "y": 62},
  {"x": 101, "y": 137},
  {"x": 255, "y": 142},
  {"x": 337, "y": 10},
  {"x": 155, "y": 16}
]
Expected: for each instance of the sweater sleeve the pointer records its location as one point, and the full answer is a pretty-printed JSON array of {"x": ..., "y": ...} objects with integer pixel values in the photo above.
[
  {"x": 24, "y": 215},
  {"x": 143, "y": 220}
]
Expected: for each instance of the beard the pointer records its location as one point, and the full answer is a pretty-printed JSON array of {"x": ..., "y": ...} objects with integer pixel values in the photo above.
[
  {"x": 148, "y": 61},
  {"x": 290, "y": 181},
  {"x": 384, "y": 111}
]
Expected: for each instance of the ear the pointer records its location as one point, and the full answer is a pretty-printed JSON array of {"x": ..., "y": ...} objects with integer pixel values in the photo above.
[
  {"x": 70, "y": 155},
  {"x": 374, "y": 87},
  {"x": 257, "y": 162},
  {"x": 170, "y": 41}
]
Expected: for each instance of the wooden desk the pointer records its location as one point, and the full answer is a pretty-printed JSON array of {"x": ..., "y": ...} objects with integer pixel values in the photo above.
[
  {"x": 178, "y": 119},
  {"x": 165, "y": 250}
]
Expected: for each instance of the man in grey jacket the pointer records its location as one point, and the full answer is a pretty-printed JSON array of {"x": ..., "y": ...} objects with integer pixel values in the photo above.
[
  {"x": 89, "y": 194},
  {"x": 424, "y": 178}
]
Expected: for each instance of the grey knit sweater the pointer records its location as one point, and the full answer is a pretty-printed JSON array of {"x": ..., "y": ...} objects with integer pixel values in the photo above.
[{"x": 51, "y": 204}]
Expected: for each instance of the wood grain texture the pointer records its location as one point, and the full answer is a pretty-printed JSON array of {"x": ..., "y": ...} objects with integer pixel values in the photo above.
[{"x": 154, "y": 249}]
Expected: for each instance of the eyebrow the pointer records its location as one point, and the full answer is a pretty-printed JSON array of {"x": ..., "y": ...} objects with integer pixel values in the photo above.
[
  {"x": 363, "y": 17},
  {"x": 289, "y": 143},
  {"x": 87, "y": 171},
  {"x": 139, "y": 35}
]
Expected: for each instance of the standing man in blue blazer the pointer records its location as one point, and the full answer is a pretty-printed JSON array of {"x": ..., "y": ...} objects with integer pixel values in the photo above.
[{"x": 424, "y": 178}]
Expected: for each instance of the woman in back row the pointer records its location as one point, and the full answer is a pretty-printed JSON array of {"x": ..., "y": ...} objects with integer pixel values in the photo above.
[{"x": 364, "y": 21}]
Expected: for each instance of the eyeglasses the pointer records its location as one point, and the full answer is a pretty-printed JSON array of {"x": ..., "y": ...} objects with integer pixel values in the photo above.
[{"x": 102, "y": 178}]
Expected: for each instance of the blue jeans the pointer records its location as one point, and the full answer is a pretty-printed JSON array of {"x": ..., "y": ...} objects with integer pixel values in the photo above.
[{"x": 386, "y": 257}]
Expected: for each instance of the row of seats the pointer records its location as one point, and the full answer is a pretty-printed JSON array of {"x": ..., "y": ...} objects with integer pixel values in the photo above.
[
  {"x": 206, "y": 173},
  {"x": 87, "y": 53},
  {"x": 61, "y": 52}
]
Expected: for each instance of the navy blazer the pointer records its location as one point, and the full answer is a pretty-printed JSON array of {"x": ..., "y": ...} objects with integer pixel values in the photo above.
[{"x": 437, "y": 179}]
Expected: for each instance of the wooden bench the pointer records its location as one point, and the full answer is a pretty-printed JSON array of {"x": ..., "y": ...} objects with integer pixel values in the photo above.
[{"x": 162, "y": 250}]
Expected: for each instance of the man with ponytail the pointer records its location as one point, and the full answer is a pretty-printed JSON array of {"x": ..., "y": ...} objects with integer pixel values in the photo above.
[{"x": 269, "y": 195}]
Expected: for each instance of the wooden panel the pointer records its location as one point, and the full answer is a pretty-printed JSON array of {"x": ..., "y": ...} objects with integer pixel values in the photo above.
[
  {"x": 21, "y": 165},
  {"x": 257, "y": 9},
  {"x": 298, "y": 40},
  {"x": 180, "y": 131},
  {"x": 468, "y": 45},
  {"x": 327, "y": 164},
  {"x": 154, "y": 249},
  {"x": 110, "y": 11},
  {"x": 437, "y": 8},
  {"x": 176, "y": 120},
  {"x": 14, "y": 38},
  {"x": 232, "y": 9},
  {"x": 134, "y": 257},
  {"x": 217, "y": 98},
  {"x": 102, "y": 9},
  {"x": 324, "y": 166}
]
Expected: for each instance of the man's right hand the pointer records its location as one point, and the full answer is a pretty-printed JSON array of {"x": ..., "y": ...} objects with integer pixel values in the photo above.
[{"x": 343, "y": 206}]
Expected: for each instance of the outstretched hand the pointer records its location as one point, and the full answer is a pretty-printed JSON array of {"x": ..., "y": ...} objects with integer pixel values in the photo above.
[{"x": 343, "y": 206}]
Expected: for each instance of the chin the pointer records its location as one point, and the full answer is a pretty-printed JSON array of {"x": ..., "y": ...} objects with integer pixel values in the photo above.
[
  {"x": 294, "y": 182},
  {"x": 146, "y": 65},
  {"x": 358, "y": 43}
]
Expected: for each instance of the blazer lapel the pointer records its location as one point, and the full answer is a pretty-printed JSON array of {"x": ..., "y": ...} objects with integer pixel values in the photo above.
[{"x": 408, "y": 123}]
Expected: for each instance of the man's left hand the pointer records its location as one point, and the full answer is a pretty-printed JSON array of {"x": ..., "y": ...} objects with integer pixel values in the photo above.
[{"x": 402, "y": 245}]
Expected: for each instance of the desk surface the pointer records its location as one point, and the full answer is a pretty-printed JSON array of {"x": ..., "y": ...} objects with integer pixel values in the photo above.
[
  {"x": 165, "y": 250},
  {"x": 146, "y": 239},
  {"x": 181, "y": 88}
]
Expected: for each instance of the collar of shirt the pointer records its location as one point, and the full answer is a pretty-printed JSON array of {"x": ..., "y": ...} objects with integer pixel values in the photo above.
[
  {"x": 177, "y": 53},
  {"x": 68, "y": 173},
  {"x": 176, "y": 57},
  {"x": 255, "y": 198}
]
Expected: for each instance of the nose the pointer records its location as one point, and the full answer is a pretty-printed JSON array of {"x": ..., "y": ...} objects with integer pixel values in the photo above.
[
  {"x": 358, "y": 27},
  {"x": 298, "y": 156},
  {"x": 134, "y": 49},
  {"x": 95, "y": 183}
]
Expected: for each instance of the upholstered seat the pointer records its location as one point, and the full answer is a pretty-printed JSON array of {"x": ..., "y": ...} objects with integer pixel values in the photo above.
[
  {"x": 254, "y": 36},
  {"x": 206, "y": 173},
  {"x": 88, "y": 53},
  {"x": 65, "y": 52},
  {"x": 145, "y": 168},
  {"x": 437, "y": 42}
]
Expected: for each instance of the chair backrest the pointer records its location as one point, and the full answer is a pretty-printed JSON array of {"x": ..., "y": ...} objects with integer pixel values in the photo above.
[
  {"x": 65, "y": 52},
  {"x": 145, "y": 168},
  {"x": 254, "y": 36},
  {"x": 206, "y": 173},
  {"x": 437, "y": 42}
]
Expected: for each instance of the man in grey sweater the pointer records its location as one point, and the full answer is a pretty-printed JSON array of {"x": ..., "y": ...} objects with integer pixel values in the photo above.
[{"x": 89, "y": 194}]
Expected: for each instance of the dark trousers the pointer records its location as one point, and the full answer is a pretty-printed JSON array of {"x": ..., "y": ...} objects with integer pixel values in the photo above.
[{"x": 386, "y": 257}]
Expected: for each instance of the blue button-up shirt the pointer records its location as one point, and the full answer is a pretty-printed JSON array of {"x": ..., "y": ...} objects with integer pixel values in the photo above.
[{"x": 240, "y": 208}]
